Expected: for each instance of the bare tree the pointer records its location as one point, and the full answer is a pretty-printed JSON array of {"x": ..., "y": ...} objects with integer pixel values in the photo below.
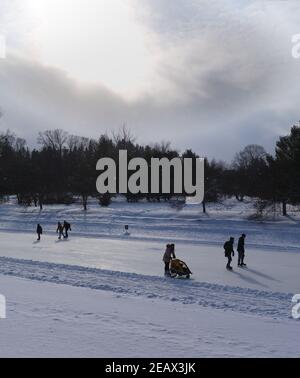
[
  {"x": 8, "y": 137},
  {"x": 20, "y": 144},
  {"x": 76, "y": 142},
  {"x": 163, "y": 147},
  {"x": 250, "y": 154},
  {"x": 55, "y": 139},
  {"x": 124, "y": 136}
]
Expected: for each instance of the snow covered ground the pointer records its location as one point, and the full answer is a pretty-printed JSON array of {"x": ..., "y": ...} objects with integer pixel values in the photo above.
[
  {"x": 47, "y": 320},
  {"x": 103, "y": 294},
  {"x": 160, "y": 221}
]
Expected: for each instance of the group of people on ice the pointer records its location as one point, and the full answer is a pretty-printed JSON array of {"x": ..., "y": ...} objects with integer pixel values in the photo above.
[
  {"x": 175, "y": 267},
  {"x": 229, "y": 252},
  {"x": 62, "y": 230}
]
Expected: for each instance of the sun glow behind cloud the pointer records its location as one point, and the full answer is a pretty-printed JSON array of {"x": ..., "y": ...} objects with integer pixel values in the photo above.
[{"x": 95, "y": 41}]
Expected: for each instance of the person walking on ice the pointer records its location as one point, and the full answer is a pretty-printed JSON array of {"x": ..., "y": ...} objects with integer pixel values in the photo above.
[
  {"x": 60, "y": 230},
  {"x": 241, "y": 251},
  {"x": 67, "y": 228},
  {"x": 39, "y": 231},
  {"x": 168, "y": 256},
  {"x": 229, "y": 252}
]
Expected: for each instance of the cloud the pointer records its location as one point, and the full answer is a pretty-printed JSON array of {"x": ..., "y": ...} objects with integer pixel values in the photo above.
[
  {"x": 224, "y": 78},
  {"x": 35, "y": 97}
]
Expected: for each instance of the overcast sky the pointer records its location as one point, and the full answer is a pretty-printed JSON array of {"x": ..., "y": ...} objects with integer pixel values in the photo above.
[{"x": 210, "y": 75}]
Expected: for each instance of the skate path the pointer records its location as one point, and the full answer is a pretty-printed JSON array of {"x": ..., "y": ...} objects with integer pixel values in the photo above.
[{"x": 220, "y": 297}]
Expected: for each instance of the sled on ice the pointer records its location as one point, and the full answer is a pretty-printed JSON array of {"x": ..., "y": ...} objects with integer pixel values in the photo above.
[{"x": 179, "y": 268}]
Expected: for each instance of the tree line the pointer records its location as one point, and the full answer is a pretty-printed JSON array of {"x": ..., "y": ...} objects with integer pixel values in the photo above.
[{"x": 64, "y": 167}]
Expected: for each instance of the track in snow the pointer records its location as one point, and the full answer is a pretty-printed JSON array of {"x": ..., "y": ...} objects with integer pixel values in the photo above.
[{"x": 247, "y": 301}]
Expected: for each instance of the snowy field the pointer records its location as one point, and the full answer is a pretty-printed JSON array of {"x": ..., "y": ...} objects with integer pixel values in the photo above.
[
  {"x": 103, "y": 294},
  {"x": 160, "y": 221},
  {"x": 47, "y": 320}
]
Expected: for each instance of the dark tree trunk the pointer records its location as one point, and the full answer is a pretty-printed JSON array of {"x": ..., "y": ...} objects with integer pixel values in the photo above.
[
  {"x": 41, "y": 202},
  {"x": 284, "y": 209},
  {"x": 204, "y": 207},
  {"x": 84, "y": 202}
]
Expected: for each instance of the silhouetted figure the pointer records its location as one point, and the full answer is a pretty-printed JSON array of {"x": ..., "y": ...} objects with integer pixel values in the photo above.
[
  {"x": 241, "y": 251},
  {"x": 39, "y": 231},
  {"x": 173, "y": 250},
  {"x": 229, "y": 252},
  {"x": 60, "y": 230},
  {"x": 168, "y": 256},
  {"x": 67, "y": 228}
]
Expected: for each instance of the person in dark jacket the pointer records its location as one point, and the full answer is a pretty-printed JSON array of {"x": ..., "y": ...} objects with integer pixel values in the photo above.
[
  {"x": 67, "y": 228},
  {"x": 39, "y": 231},
  {"x": 229, "y": 252},
  {"x": 60, "y": 230},
  {"x": 168, "y": 256},
  {"x": 241, "y": 251}
]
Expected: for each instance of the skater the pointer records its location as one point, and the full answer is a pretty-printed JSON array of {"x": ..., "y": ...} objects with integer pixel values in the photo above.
[
  {"x": 60, "y": 230},
  {"x": 39, "y": 231},
  {"x": 168, "y": 256},
  {"x": 241, "y": 251},
  {"x": 229, "y": 252},
  {"x": 67, "y": 228}
]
